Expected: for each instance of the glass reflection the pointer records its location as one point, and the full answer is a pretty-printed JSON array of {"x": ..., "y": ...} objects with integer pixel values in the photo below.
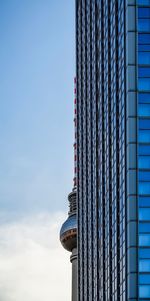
[
  {"x": 144, "y": 291},
  {"x": 144, "y": 110},
  {"x": 144, "y": 214},
  {"x": 144, "y": 240}
]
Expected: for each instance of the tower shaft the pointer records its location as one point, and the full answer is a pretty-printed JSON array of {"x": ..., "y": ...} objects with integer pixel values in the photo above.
[{"x": 73, "y": 260}]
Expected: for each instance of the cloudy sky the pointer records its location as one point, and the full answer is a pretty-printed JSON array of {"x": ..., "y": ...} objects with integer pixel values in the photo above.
[{"x": 36, "y": 137}]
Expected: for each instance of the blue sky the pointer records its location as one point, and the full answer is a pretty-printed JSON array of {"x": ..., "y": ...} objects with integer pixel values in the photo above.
[
  {"x": 37, "y": 63},
  {"x": 36, "y": 105}
]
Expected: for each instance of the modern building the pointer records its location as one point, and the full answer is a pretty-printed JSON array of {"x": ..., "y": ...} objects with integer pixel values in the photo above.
[
  {"x": 68, "y": 232},
  {"x": 113, "y": 149}
]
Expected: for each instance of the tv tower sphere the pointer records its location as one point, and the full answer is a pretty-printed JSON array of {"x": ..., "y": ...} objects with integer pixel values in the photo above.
[{"x": 68, "y": 232}]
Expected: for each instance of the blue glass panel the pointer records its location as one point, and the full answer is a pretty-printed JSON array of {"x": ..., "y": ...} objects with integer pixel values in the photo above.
[
  {"x": 144, "y": 2},
  {"x": 144, "y": 84},
  {"x": 144, "y": 162},
  {"x": 144, "y": 189},
  {"x": 144, "y": 110},
  {"x": 145, "y": 228},
  {"x": 144, "y": 214},
  {"x": 144, "y": 25},
  {"x": 144, "y": 175},
  {"x": 144, "y": 265},
  {"x": 144, "y": 98},
  {"x": 144, "y": 291},
  {"x": 144, "y": 136},
  {"x": 144, "y": 72},
  {"x": 144, "y": 58},
  {"x": 144, "y": 253},
  {"x": 144, "y": 278},
  {"x": 144, "y": 201},
  {"x": 144, "y": 38},
  {"x": 144, "y": 124},
  {"x": 144, "y": 149},
  {"x": 143, "y": 12},
  {"x": 144, "y": 47},
  {"x": 144, "y": 240}
]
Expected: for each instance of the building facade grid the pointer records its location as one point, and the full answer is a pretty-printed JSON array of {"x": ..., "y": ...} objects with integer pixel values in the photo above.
[{"x": 113, "y": 139}]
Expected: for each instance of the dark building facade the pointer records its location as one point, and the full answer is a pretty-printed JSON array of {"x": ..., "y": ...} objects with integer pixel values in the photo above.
[{"x": 113, "y": 149}]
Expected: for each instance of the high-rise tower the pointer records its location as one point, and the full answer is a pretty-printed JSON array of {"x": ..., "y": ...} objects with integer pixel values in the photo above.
[
  {"x": 113, "y": 149},
  {"x": 68, "y": 232}
]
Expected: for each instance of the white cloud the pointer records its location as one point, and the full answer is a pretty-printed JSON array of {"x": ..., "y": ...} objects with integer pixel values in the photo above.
[{"x": 33, "y": 265}]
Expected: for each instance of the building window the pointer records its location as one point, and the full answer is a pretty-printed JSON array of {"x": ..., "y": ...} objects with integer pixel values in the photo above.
[
  {"x": 144, "y": 2},
  {"x": 144, "y": 214},
  {"x": 144, "y": 84},
  {"x": 144, "y": 240},
  {"x": 144, "y": 72},
  {"x": 144, "y": 291},
  {"x": 144, "y": 278},
  {"x": 144, "y": 110},
  {"x": 144, "y": 175},
  {"x": 144, "y": 58},
  {"x": 144, "y": 25},
  {"x": 144, "y": 228},
  {"x": 144, "y": 162},
  {"x": 144, "y": 201},
  {"x": 144, "y": 149},
  {"x": 144, "y": 188},
  {"x": 144, "y": 38},
  {"x": 144, "y": 98}
]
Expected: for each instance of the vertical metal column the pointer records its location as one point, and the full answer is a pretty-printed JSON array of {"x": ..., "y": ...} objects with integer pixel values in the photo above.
[{"x": 73, "y": 260}]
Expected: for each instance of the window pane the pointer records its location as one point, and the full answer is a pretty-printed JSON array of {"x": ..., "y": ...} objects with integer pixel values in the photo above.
[
  {"x": 144, "y": 38},
  {"x": 144, "y": 240},
  {"x": 144, "y": 136},
  {"x": 144, "y": 253},
  {"x": 144, "y": 214},
  {"x": 144, "y": 25},
  {"x": 143, "y": 12},
  {"x": 144, "y": 47},
  {"x": 145, "y": 228},
  {"x": 144, "y": 265},
  {"x": 144, "y": 162},
  {"x": 144, "y": 72},
  {"x": 144, "y": 58},
  {"x": 144, "y": 291},
  {"x": 144, "y": 84},
  {"x": 144, "y": 188},
  {"x": 144, "y": 98},
  {"x": 144, "y": 278},
  {"x": 144, "y": 110},
  {"x": 144, "y": 2},
  {"x": 144, "y": 149},
  {"x": 144, "y": 124},
  {"x": 144, "y": 201},
  {"x": 144, "y": 175}
]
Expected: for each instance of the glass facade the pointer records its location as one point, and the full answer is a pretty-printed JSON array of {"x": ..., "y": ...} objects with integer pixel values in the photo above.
[
  {"x": 143, "y": 41},
  {"x": 113, "y": 149}
]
